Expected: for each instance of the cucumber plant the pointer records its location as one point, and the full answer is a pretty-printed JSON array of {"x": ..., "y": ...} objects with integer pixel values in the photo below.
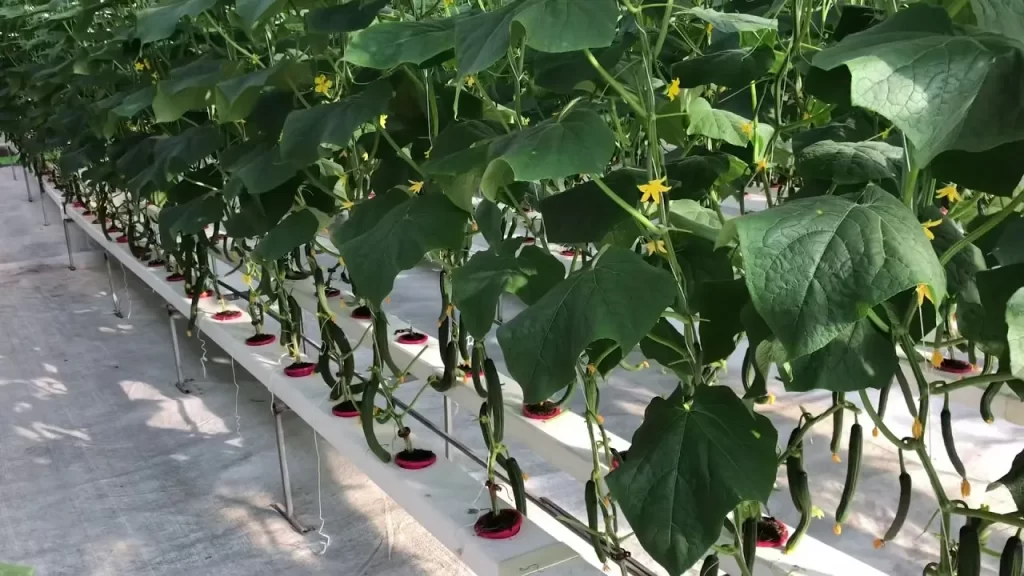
[{"x": 810, "y": 184}]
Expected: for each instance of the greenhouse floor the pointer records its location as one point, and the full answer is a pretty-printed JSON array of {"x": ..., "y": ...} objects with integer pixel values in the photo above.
[{"x": 107, "y": 468}]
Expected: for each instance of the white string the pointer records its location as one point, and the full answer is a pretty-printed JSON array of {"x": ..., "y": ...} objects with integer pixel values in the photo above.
[
  {"x": 124, "y": 278},
  {"x": 202, "y": 344},
  {"x": 319, "y": 499}
]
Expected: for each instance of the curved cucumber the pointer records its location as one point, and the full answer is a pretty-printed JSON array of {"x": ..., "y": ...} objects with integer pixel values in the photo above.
[
  {"x": 515, "y": 478},
  {"x": 852, "y": 474},
  {"x": 837, "y": 427},
  {"x": 1010, "y": 559},
  {"x": 710, "y": 566},
  {"x": 590, "y": 497},
  {"x": 986, "y": 401},
  {"x": 366, "y": 418},
  {"x": 477, "y": 367},
  {"x": 494, "y": 399}
]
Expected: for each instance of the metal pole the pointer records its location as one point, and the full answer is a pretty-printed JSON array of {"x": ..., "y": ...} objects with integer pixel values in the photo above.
[
  {"x": 182, "y": 383},
  {"x": 289, "y": 507},
  {"x": 67, "y": 240},
  {"x": 28, "y": 190},
  {"x": 113, "y": 294},
  {"x": 42, "y": 206},
  {"x": 447, "y": 427}
]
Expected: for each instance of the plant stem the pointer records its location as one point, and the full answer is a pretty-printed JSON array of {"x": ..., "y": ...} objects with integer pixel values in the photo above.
[
  {"x": 615, "y": 85},
  {"x": 640, "y": 218},
  {"x": 984, "y": 228},
  {"x": 1015, "y": 520},
  {"x": 877, "y": 421},
  {"x": 941, "y": 387},
  {"x": 665, "y": 20},
  {"x": 807, "y": 428}
]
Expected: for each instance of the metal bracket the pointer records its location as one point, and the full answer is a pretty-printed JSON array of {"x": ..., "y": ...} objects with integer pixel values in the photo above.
[
  {"x": 288, "y": 510},
  {"x": 67, "y": 241},
  {"x": 182, "y": 383}
]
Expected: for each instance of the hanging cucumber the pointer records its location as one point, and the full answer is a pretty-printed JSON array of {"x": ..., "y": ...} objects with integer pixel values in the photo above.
[
  {"x": 883, "y": 403},
  {"x": 906, "y": 491},
  {"x": 987, "y": 397},
  {"x": 484, "y": 419},
  {"x": 710, "y": 566},
  {"x": 515, "y": 478},
  {"x": 749, "y": 542},
  {"x": 463, "y": 340},
  {"x": 946, "y": 419},
  {"x": 1010, "y": 559},
  {"x": 347, "y": 358},
  {"x": 837, "y": 427},
  {"x": 590, "y": 497},
  {"x": 852, "y": 474},
  {"x": 451, "y": 360},
  {"x": 323, "y": 366},
  {"x": 477, "y": 368},
  {"x": 968, "y": 555},
  {"x": 383, "y": 341},
  {"x": 366, "y": 418},
  {"x": 497, "y": 406}
]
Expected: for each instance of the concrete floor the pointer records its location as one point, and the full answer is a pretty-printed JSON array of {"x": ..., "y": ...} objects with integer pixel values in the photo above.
[
  {"x": 106, "y": 468},
  {"x": 164, "y": 483}
]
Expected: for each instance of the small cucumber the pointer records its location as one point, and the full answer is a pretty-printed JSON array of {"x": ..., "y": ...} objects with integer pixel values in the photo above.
[
  {"x": 906, "y": 492},
  {"x": 710, "y": 566},
  {"x": 383, "y": 340},
  {"x": 366, "y": 417},
  {"x": 801, "y": 527},
  {"x": 968, "y": 555},
  {"x": 590, "y": 497},
  {"x": 1010, "y": 560},
  {"x": 477, "y": 367},
  {"x": 946, "y": 420},
  {"x": 987, "y": 397},
  {"x": 515, "y": 478},
  {"x": 497, "y": 406},
  {"x": 749, "y": 542},
  {"x": 837, "y": 427},
  {"x": 447, "y": 379},
  {"x": 463, "y": 340},
  {"x": 852, "y": 474},
  {"x": 883, "y": 403}
]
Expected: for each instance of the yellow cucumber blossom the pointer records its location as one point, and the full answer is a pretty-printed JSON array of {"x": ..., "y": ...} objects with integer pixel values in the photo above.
[
  {"x": 927, "y": 227},
  {"x": 470, "y": 81},
  {"x": 347, "y": 204},
  {"x": 656, "y": 246},
  {"x": 762, "y": 165},
  {"x": 415, "y": 186},
  {"x": 949, "y": 192},
  {"x": 673, "y": 90},
  {"x": 917, "y": 429},
  {"x": 923, "y": 291},
  {"x": 748, "y": 129},
  {"x": 383, "y": 120},
  {"x": 322, "y": 85},
  {"x": 936, "y": 358},
  {"x": 653, "y": 190}
]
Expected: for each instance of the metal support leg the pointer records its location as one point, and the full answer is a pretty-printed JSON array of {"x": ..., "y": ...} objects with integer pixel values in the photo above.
[
  {"x": 14, "y": 170},
  {"x": 67, "y": 240},
  {"x": 447, "y": 426},
  {"x": 42, "y": 206},
  {"x": 288, "y": 511},
  {"x": 28, "y": 189},
  {"x": 113, "y": 293},
  {"x": 182, "y": 383}
]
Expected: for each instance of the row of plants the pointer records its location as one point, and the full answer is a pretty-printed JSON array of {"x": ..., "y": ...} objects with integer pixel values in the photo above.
[{"x": 884, "y": 138}]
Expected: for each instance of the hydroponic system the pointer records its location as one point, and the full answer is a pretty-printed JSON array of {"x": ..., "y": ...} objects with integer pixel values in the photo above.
[{"x": 262, "y": 162}]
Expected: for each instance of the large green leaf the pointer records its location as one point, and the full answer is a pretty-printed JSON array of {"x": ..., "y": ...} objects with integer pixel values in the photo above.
[
  {"x": 723, "y": 124},
  {"x": 731, "y": 68},
  {"x": 982, "y": 314},
  {"x": 388, "y": 44},
  {"x": 305, "y": 130},
  {"x": 720, "y": 303},
  {"x": 964, "y": 266},
  {"x": 549, "y": 25},
  {"x": 816, "y": 265},
  {"x": 375, "y": 252},
  {"x": 734, "y": 22},
  {"x": 849, "y": 162},
  {"x": 619, "y": 298},
  {"x": 1013, "y": 481},
  {"x": 251, "y": 12},
  {"x": 944, "y": 88},
  {"x": 158, "y": 22},
  {"x": 265, "y": 170},
  {"x": 585, "y": 213},
  {"x": 689, "y": 465},
  {"x": 1004, "y": 17},
  {"x": 296, "y": 229},
  {"x": 258, "y": 214},
  {"x": 860, "y": 357},
  {"x": 173, "y": 155},
  {"x": 1015, "y": 332},
  {"x": 348, "y": 17},
  {"x": 478, "y": 285},
  {"x": 135, "y": 102},
  {"x": 236, "y": 98},
  {"x": 578, "y": 143},
  {"x": 666, "y": 346},
  {"x": 189, "y": 87}
]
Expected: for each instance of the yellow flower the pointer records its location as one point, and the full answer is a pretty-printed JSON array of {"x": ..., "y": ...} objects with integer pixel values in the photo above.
[
  {"x": 817, "y": 512},
  {"x": 653, "y": 190},
  {"x": 383, "y": 120},
  {"x": 923, "y": 291},
  {"x": 247, "y": 279},
  {"x": 655, "y": 246},
  {"x": 748, "y": 129},
  {"x": 949, "y": 192},
  {"x": 449, "y": 2},
  {"x": 591, "y": 369},
  {"x": 322, "y": 85},
  {"x": 927, "y": 226},
  {"x": 139, "y": 66},
  {"x": 762, "y": 165},
  {"x": 365, "y": 156},
  {"x": 525, "y": 120},
  {"x": 347, "y": 204},
  {"x": 145, "y": 63},
  {"x": 936, "y": 358},
  {"x": 470, "y": 81},
  {"x": 427, "y": 153},
  {"x": 673, "y": 90},
  {"x": 708, "y": 28},
  {"x": 917, "y": 429},
  {"x": 965, "y": 488},
  {"x": 415, "y": 186}
]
